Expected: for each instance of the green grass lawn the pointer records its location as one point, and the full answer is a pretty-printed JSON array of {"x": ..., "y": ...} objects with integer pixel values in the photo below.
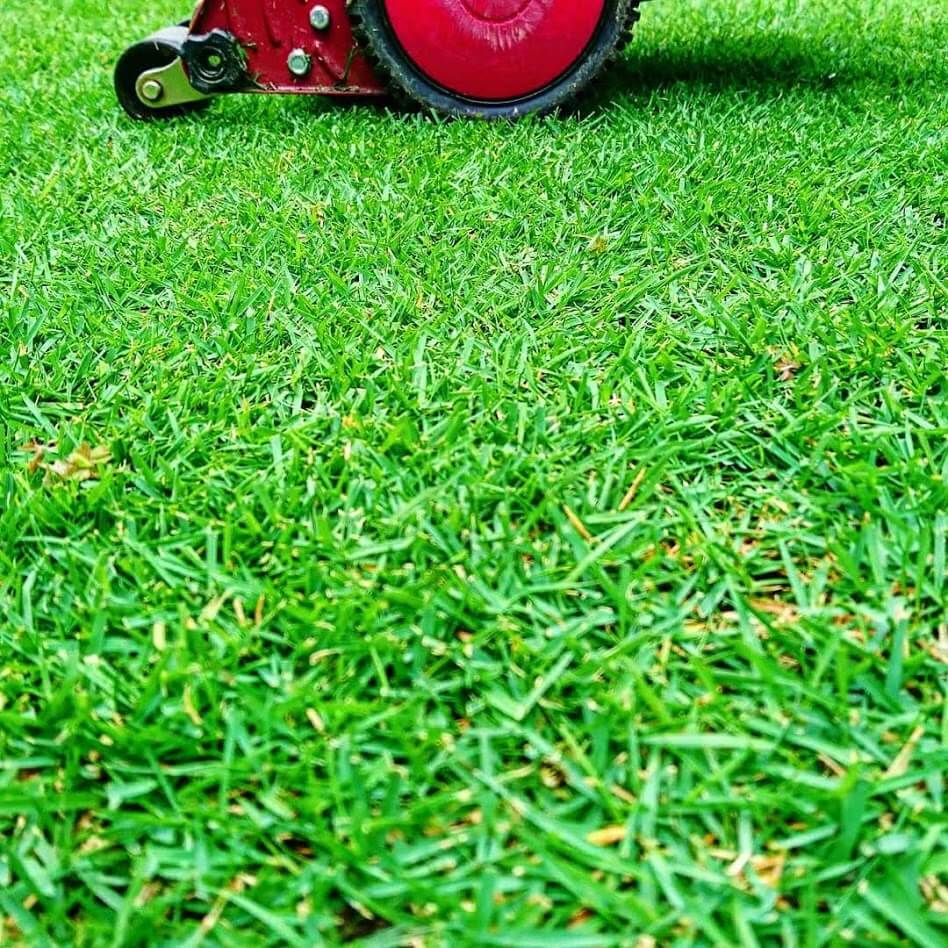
[{"x": 437, "y": 533}]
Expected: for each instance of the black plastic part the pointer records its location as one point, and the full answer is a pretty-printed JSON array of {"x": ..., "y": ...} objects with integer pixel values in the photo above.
[
  {"x": 392, "y": 62},
  {"x": 215, "y": 63},
  {"x": 160, "y": 49}
]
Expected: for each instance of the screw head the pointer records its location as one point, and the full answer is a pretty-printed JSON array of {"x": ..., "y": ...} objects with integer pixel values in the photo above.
[
  {"x": 299, "y": 63},
  {"x": 152, "y": 90},
  {"x": 320, "y": 17}
]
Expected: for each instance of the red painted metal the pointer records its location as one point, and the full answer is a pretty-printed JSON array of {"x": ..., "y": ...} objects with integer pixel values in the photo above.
[
  {"x": 268, "y": 30},
  {"x": 494, "y": 49}
]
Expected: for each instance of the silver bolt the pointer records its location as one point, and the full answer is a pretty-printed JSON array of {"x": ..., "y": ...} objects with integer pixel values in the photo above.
[
  {"x": 320, "y": 17},
  {"x": 299, "y": 63},
  {"x": 152, "y": 90}
]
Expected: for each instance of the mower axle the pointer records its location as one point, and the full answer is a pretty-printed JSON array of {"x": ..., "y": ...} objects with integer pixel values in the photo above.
[{"x": 167, "y": 86}]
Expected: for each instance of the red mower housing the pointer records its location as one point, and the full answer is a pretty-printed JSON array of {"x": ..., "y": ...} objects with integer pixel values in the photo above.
[{"x": 489, "y": 58}]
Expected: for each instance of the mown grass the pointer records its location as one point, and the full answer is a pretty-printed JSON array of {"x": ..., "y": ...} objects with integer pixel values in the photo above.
[{"x": 515, "y": 535}]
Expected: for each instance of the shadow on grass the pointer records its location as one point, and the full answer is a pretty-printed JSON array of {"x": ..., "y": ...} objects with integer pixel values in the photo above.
[
  {"x": 774, "y": 65},
  {"x": 724, "y": 69}
]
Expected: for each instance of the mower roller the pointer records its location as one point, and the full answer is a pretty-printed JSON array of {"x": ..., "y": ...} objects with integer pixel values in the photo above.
[{"x": 479, "y": 58}]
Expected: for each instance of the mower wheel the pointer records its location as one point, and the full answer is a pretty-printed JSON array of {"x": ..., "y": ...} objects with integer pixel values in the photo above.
[
  {"x": 159, "y": 50},
  {"x": 491, "y": 58}
]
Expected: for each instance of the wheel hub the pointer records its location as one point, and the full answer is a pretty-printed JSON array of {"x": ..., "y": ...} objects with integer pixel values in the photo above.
[
  {"x": 494, "y": 50},
  {"x": 495, "y": 11}
]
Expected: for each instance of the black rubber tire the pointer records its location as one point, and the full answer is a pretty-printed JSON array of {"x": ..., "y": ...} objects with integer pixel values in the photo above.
[
  {"x": 394, "y": 65},
  {"x": 160, "y": 49}
]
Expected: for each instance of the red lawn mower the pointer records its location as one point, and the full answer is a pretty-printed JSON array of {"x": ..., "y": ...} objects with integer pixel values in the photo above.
[{"x": 486, "y": 58}]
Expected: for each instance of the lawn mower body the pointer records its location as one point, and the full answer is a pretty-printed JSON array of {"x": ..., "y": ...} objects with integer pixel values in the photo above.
[
  {"x": 488, "y": 58},
  {"x": 268, "y": 31}
]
